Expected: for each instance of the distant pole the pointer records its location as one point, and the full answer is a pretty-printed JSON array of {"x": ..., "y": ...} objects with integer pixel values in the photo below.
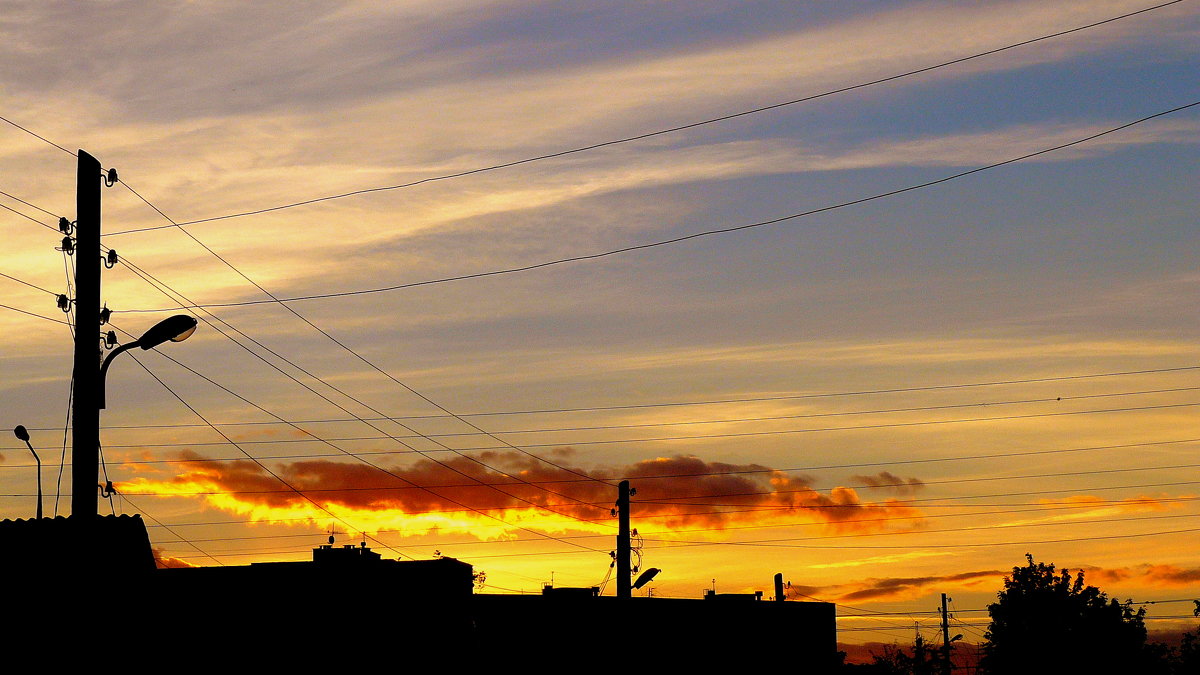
[
  {"x": 945, "y": 638},
  {"x": 624, "y": 583},
  {"x": 779, "y": 587},
  {"x": 919, "y": 654},
  {"x": 85, "y": 412}
]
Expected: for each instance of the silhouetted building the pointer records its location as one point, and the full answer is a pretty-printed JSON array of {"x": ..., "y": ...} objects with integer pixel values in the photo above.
[
  {"x": 563, "y": 627},
  {"x": 349, "y": 592},
  {"x": 76, "y": 589}
]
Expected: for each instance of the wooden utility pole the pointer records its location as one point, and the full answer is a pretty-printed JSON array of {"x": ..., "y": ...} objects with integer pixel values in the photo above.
[
  {"x": 85, "y": 411},
  {"x": 624, "y": 583},
  {"x": 946, "y": 668},
  {"x": 919, "y": 654}
]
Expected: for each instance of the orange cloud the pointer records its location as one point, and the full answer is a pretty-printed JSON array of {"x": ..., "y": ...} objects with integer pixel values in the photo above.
[
  {"x": 163, "y": 561},
  {"x": 1153, "y": 575},
  {"x": 892, "y": 588},
  {"x": 889, "y": 480},
  {"x": 678, "y": 493}
]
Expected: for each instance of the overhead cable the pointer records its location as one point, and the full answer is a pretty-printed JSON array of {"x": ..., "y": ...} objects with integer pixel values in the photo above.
[
  {"x": 687, "y": 237},
  {"x": 660, "y": 132}
]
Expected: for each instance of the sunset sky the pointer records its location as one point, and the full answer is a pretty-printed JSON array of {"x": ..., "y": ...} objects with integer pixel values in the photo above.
[{"x": 884, "y": 401}]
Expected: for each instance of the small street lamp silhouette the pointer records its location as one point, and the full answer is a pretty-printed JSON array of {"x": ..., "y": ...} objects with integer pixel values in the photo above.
[
  {"x": 23, "y": 434},
  {"x": 173, "y": 329}
]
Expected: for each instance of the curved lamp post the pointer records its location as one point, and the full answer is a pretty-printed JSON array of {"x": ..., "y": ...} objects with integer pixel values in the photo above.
[
  {"x": 173, "y": 329},
  {"x": 23, "y": 435}
]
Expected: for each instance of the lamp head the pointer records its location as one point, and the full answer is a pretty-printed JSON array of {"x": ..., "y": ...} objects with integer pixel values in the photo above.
[
  {"x": 174, "y": 329},
  {"x": 22, "y": 433},
  {"x": 646, "y": 577}
]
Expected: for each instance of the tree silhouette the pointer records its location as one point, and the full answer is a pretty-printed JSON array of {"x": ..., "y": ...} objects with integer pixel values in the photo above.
[
  {"x": 895, "y": 660},
  {"x": 1047, "y": 622},
  {"x": 1189, "y": 650}
]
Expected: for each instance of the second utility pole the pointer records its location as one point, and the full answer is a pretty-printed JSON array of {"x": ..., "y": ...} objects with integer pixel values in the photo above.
[
  {"x": 624, "y": 583},
  {"x": 946, "y": 667}
]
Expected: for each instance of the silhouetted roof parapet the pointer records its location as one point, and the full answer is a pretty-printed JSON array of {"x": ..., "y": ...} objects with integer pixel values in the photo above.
[
  {"x": 567, "y": 592},
  {"x": 343, "y": 569},
  {"x": 756, "y": 596},
  {"x": 348, "y": 554},
  {"x": 108, "y": 545}
]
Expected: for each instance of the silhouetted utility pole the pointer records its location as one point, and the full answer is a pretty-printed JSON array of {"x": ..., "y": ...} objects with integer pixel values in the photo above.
[
  {"x": 919, "y": 654},
  {"x": 85, "y": 412},
  {"x": 945, "y": 638},
  {"x": 624, "y": 585}
]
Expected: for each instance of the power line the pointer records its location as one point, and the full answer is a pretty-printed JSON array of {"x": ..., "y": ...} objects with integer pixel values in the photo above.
[
  {"x": 755, "y": 399},
  {"x": 906, "y": 502},
  {"x": 40, "y": 316},
  {"x": 34, "y": 206},
  {"x": 855, "y": 546},
  {"x": 157, "y": 284},
  {"x": 724, "y": 528},
  {"x": 41, "y": 138},
  {"x": 163, "y": 288},
  {"x": 22, "y": 281},
  {"x": 672, "y": 501},
  {"x": 985, "y": 509},
  {"x": 375, "y": 466},
  {"x": 770, "y": 543},
  {"x": 1032, "y": 507},
  {"x": 642, "y": 477},
  {"x": 180, "y": 537},
  {"x": 742, "y": 434},
  {"x": 735, "y": 420},
  {"x": 27, "y": 217},
  {"x": 745, "y": 433},
  {"x": 687, "y": 237},
  {"x": 342, "y": 392},
  {"x": 677, "y": 543},
  {"x": 651, "y": 536},
  {"x": 660, "y": 132},
  {"x": 948, "y": 529},
  {"x": 260, "y": 464},
  {"x": 369, "y": 363}
]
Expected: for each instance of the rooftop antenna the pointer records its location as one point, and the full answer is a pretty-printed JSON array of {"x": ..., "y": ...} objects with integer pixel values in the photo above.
[{"x": 23, "y": 435}]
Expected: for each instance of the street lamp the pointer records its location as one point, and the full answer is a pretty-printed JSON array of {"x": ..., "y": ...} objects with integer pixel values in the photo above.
[
  {"x": 173, "y": 329},
  {"x": 23, "y": 434}
]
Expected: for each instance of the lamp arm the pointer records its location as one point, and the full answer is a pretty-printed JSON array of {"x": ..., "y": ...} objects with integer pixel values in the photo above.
[
  {"x": 39, "y": 475},
  {"x": 107, "y": 360}
]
